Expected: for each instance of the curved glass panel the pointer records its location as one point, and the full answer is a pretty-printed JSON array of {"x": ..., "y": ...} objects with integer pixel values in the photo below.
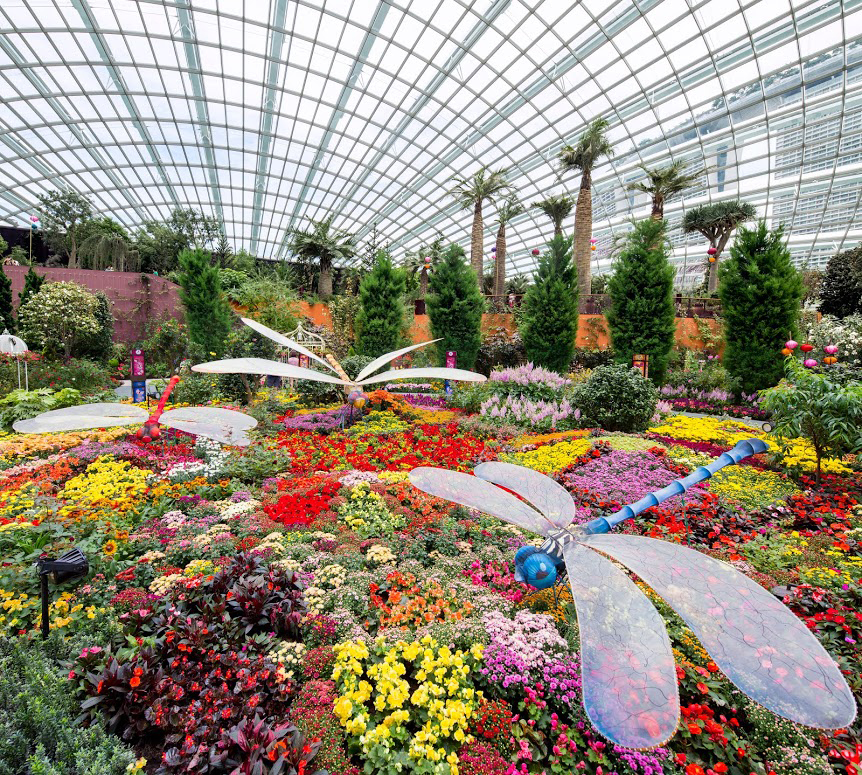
[{"x": 266, "y": 114}]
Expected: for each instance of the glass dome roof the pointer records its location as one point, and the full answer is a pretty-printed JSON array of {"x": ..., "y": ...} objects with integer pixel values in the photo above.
[{"x": 264, "y": 113}]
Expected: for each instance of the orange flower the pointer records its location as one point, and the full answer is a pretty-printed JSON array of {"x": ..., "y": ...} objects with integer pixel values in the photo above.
[
  {"x": 135, "y": 682},
  {"x": 694, "y": 729}
]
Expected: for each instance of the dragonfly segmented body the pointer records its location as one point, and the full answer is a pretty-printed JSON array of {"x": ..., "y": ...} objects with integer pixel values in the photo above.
[{"x": 628, "y": 674}]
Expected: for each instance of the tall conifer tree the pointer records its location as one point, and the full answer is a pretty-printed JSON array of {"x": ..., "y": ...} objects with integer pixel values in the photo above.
[
  {"x": 455, "y": 307},
  {"x": 760, "y": 294},
  {"x": 208, "y": 314},
  {"x": 642, "y": 318},
  {"x": 380, "y": 320},
  {"x": 550, "y": 321},
  {"x": 32, "y": 283},
  {"x": 7, "y": 320}
]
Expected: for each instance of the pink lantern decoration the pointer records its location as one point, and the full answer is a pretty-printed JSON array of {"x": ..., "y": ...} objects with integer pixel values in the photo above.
[
  {"x": 536, "y": 251},
  {"x": 831, "y": 349},
  {"x": 791, "y": 345},
  {"x": 809, "y": 363},
  {"x": 427, "y": 260},
  {"x": 33, "y": 218}
]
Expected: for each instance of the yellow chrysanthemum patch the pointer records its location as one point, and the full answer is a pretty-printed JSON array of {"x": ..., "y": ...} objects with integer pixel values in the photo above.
[
  {"x": 750, "y": 486},
  {"x": 416, "y": 697},
  {"x": 711, "y": 429},
  {"x": 105, "y": 480},
  {"x": 553, "y": 457}
]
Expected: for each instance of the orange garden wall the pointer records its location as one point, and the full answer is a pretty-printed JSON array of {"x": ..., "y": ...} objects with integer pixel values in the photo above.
[{"x": 592, "y": 329}]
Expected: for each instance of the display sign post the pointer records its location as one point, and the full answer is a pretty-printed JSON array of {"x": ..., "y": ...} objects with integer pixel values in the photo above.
[
  {"x": 139, "y": 377},
  {"x": 451, "y": 363},
  {"x": 641, "y": 363}
]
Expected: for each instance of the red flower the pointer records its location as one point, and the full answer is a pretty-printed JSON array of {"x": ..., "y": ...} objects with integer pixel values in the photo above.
[
  {"x": 702, "y": 687},
  {"x": 694, "y": 729},
  {"x": 694, "y": 769},
  {"x": 135, "y": 682},
  {"x": 720, "y": 767}
]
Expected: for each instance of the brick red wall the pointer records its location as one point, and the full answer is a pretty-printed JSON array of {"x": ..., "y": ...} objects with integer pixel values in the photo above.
[{"x": 135, "y": 297}]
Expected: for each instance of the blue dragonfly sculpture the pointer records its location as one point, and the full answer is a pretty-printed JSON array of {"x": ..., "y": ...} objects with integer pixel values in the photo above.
[{"x": 628, "y": 674}]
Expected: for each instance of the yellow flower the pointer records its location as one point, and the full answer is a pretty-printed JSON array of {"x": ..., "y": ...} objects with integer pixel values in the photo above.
[{"x": 110, "y": 547}]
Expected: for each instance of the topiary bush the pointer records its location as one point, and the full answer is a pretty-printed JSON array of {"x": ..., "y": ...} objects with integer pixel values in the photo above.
[{"x": 616, "y": 398}]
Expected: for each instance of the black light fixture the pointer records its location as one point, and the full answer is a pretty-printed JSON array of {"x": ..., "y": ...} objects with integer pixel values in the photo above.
[{"x": 71, "y": 565}]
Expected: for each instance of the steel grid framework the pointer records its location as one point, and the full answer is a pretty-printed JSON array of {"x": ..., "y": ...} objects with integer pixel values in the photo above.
[{"x": 266, "y": 113}]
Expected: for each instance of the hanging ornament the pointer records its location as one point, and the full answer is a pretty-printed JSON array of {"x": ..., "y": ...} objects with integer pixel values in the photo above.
[
  {"x": 786, "y": 351},
  {"x": 830, "y": 359},
  {"x": 831, "y": 349},
  {"x": 593, "y": 242},
  {"x": 790, "y": 344},
  {"x": 806, "y": 348},
  {"x": 809, "y": 363},
  {"x": 711, "y": 253},
  {"x": 427, "y": 260},
  {"x": 494, "y": 249},
  {"x": 536, "y": 251}
]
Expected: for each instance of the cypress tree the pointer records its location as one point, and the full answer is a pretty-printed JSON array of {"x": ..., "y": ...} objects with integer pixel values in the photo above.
[
  {"x": 549, "y": 324},
  {"x": 841, "y": 289},
  {"x": 760, "y": 295},
  {"x": 455, "y": 307},
  {"x": 380, "y": 320},
  {"x": 32, "y": 283},
  {"x": 208, "y": 314},
  {"x": 642, "y": 318},
  {"x": 7, "y": 320}
]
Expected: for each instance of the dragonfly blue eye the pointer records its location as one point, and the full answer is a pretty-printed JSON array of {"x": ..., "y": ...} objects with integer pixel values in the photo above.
[{"x": 540, "y": 570}]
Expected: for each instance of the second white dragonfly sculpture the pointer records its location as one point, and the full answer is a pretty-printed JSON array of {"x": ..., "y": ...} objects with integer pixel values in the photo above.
[{"x": 353, "y": 387}]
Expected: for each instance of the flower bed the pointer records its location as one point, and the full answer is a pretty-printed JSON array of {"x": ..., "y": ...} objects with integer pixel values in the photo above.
[{"x": 299, "y": 606}]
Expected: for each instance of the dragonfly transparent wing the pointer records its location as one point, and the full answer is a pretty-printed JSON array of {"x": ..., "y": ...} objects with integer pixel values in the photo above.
[
  {"x": 544, "y": 493},
  {"x": 283, "y": 340},
  {"x": 378, "y": 362},
  {"x": 478, "y": 494},
  {"x": 458, "y": 375},
  {"x": 264, "y": 366},
  {"x": 756, "y": 640},
  {"x": 79, "y": 418},
  {"x": 224, "y": 425},
  {"x": 627, "y": 671}
]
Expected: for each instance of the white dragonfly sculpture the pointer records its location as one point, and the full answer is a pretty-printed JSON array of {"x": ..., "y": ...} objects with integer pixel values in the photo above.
[
  {"x": 628, "y": 675},
  {"x": 227, "y": 426},
  {"x": 353, "y": 387}
]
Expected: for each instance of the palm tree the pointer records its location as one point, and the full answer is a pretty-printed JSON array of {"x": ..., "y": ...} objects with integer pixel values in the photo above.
[
  {"x": 717, "y": 222},
  {"x": 110, "y": 250},
  {"x": 472, "y": 192},
  {"x": 509, "y": 208},
  {"x": 325, "y": 245},
  {"x": 415, "y": 262},
  {"x": 557, "y": 207},
  {"x": 592, "y": 145},
  {"x": 661, "y": 183}
]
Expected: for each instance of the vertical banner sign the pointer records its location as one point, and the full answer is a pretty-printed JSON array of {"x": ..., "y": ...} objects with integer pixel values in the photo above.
[
  {"x": 451, "y": 363},
  {"x": 139, "y": 377},
  {"x": 641, "y": 363}
]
